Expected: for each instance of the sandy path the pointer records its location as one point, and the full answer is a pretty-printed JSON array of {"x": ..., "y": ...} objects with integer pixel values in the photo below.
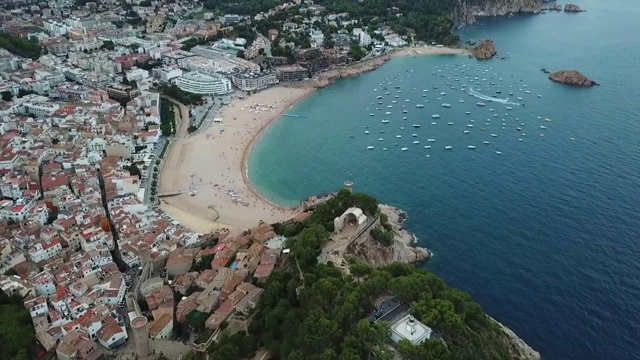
[{"x": 213, "y": 160}]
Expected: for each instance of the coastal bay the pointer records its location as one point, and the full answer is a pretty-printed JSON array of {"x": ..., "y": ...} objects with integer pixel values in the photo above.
[{"x": 541, "y": 235}]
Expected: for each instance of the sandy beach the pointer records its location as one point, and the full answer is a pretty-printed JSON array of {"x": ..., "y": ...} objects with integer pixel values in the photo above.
[
  {"x": 429, "y": 50},
  {"x": 215, "y": 159}
]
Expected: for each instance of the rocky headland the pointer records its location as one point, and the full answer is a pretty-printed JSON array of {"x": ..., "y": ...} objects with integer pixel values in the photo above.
[
  {"x": 486, "y": 50},
  {"x": 402, "y": 249},
  {"x": 466, "y": 13},
  {"x": 572, "y": 8},
  {"x": 329, "y": 77},
  {"x": 555, "y": 7},
  {"x": 572, "y": 77}
]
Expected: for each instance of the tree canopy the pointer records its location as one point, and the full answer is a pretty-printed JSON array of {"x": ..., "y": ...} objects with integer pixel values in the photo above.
[
  {"x": 20, "y": 46},
  {"x": 17, "y": 338}
]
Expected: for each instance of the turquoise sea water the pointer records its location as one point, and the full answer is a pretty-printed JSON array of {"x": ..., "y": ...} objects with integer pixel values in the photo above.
[{"x": 544, "y": 236}]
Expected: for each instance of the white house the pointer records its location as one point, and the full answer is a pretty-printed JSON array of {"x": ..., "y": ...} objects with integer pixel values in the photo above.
[{"x": 45, "y": 250}]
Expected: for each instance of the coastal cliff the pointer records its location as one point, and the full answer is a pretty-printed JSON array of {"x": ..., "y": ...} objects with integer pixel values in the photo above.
[
  {"x": 402, "y": 249},
  {"x": 517, "y": 346},
  {"x": 466, "y": 13},
  {"x": 572, "y": 77},
  {"x": 555, "y": 7},
  {"x": 486, "y": 50},
  {"x": 329, "y": 77}
]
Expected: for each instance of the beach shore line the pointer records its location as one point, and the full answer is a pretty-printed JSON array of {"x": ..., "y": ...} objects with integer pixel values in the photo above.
[{"x": 216, "y": 158}]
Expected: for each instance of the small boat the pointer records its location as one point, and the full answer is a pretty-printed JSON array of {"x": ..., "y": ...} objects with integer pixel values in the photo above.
[
  {"x": 443, "y": 93},
  {"x": 404, "y": 111},
  {"x": 379, "y": 97},
  {"x": 382, "y": 131},
  {"x": 450, "y": 123},
  {"x": 366, "y": 132},
  {"x": 371, "y": 114},
  {"x": 540, "y": 96},
  {"x": 428, "y": 155},
  {"x": 547, "y": 120},
  {"x": 468, "y": 112},
  {"x": 527, "y": 92},
  {"x": 419, "y": 106},
  {"x": 380, "y": 139},
  {"x": 494, "y": 135},
  {"x": 398, "y": 136},
  {"x": 486, "y": 142},
  {"x": 471, "y": 147},
  {"x": 385, "y": 121},
  {"x": 470, "y": 125},
  {"x": 385, "y": 149},
  {"x": 370, "y": 147},
  {"x": 542, "y": 127},
  {"x": 416, "y": 125},
  {"x": 388, "y": 113},
  {"x": 491, "y": 110},
  {"x": 404, "y": 149},
  {"x": 499, "y": 152},
  {"x": 431, "y": 140},
  {"x": 435, "y": 116},
  {"x": 460, "y": 101},
  {"x": 352, "y": 136},
  {"x": 466, "y": 131},
  {"x": 572, "y": 139},
  {"x": 446, "y": 105},
  {"x": 434, "y": 123},
  {"x": 404, "y": 118},
  {"x": 427, "y": 146},
  {"x": 519, "y": 98},
  {"x": 401, "y": 127},
  {"x": 416, "y": 142},
  {"x": 448, "y": 147},
  {"x": 389, "y": 106},
  {"x": 480, "y": 103},
  {"x": 509, "y": 108}
]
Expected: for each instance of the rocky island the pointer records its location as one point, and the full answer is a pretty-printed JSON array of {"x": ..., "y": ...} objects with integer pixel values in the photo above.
[
  {"x": 555, "y": 7},
  {"x": 485, "y": 50},
  {"x": 572, "y": 8},
  {"x": 572, "y": 77}
]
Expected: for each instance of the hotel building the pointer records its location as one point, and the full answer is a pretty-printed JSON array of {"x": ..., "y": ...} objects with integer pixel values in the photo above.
[{"x": 205, "y": 84}]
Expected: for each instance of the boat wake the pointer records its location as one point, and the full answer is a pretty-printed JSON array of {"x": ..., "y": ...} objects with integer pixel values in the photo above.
[{"x": 490, "y": 98}]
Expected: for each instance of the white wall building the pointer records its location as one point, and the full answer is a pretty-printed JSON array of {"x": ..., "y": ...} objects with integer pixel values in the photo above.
[
  {"x": 137, "y": 74},
  {"x": 204, "y": 84},
  {"x": 254, "y": 81}
]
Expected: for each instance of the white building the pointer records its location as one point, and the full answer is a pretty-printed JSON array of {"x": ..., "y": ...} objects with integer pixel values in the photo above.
[
  {"x": 45, "y": 250},
  {"x": 364, "y": 39},
  {"x": 254, "y": 81},
  {"x": 55, "y": 28},
  {"x": 407, "y": 327},
  {"x": 37, "y": 306},
  {"x": 205, "y": 84},
  {"x": 167, "y": 73},
  {"x": 137, "y": 74}
]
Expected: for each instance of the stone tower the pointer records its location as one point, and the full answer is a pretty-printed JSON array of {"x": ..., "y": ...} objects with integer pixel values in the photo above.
[
  {"x": 141, "y": 336},
  {"x": 348, "y": 185}
]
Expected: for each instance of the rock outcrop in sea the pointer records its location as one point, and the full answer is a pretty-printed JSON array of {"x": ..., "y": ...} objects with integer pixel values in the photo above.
[
  {"x": 572, "y": 77},
  {"x": 402, "y": 249},
  {"x": 572, "y": 8},
  {"x": 466, "y": 13},
  {"x": 486, "y": 50}
]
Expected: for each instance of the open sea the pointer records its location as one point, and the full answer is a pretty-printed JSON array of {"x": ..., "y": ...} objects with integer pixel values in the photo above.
[{"x": 542, "y": 224}]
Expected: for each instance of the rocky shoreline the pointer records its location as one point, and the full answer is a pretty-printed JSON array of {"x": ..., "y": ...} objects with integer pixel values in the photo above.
[
  {"x": 467, "y": 14},
  {"x": 329, "y": 77},
  {"x": 518, "y": 346},
  {"x": 572, "y": 77}
]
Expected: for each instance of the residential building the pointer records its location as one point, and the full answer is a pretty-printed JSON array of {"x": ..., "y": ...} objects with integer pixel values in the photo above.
[
  {"x": 205, "y": 84},
  {"x": 250, "y": 81}
]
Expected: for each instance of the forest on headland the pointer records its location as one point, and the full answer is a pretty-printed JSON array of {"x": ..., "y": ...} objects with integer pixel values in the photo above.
[{"x": 313, "y": 311}]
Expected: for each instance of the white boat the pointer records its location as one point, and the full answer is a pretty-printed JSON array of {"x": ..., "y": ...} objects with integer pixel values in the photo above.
[
  {"x": 499, "y": 152},
  {"x": 385, "y": 149},
  {"x": 370, "y": 147},
  {"x": 509, "y": 108},
  {"x": 448, "y": 147},
  {"x": 404, "y": 111},
  {"x": 480, "y": 103},
  {"x": 460, "y": 101},
  {"x": 404, "y": 149},
  {"x": 380, "y": 139},
  {"x": 401, "y": 127},
  {"x": 371, "y": 114},
  {"x": 540, "y": 96},
  {"x": 388, "y": 113},
  {"x": 491, "y": 110},
  {"x": 416, "y": 142},
  {"x": 398, "y": 136},
  {"x": 486, "y": 142},
  {"x": 389, "y": 106},
  {"x": 419, "y": 106},
  {"x": 407, "y": 100},
  {"x": 466, "y": 131},
  {"x": 385, "y": 121},
  {"x": 450, "y": 123},
  {"x": 494, "y": 135},
  {"x": 431, "y": 140},
  {"x": 468, "y": 112},
  {"x": 404, "y": 118},
  {"x": 435, "y": 116},
  {"x": 471, "y": 147},
  {"x": 427, "y": 147},
  {"x": 469, "y": 125},
  {"x": 366, "y": 132},
  {"x": 446, "y": 105},
  {"x": 519, "y": 98},
  {"x": 434, "y": 123},
  {"x": 416, "y": 125},
  {"x": 379, "y": 97},
  {"x": 542, "y": 127},
  {"x": 414, "y": 135},
  {"x": 527, "y": 92}
]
